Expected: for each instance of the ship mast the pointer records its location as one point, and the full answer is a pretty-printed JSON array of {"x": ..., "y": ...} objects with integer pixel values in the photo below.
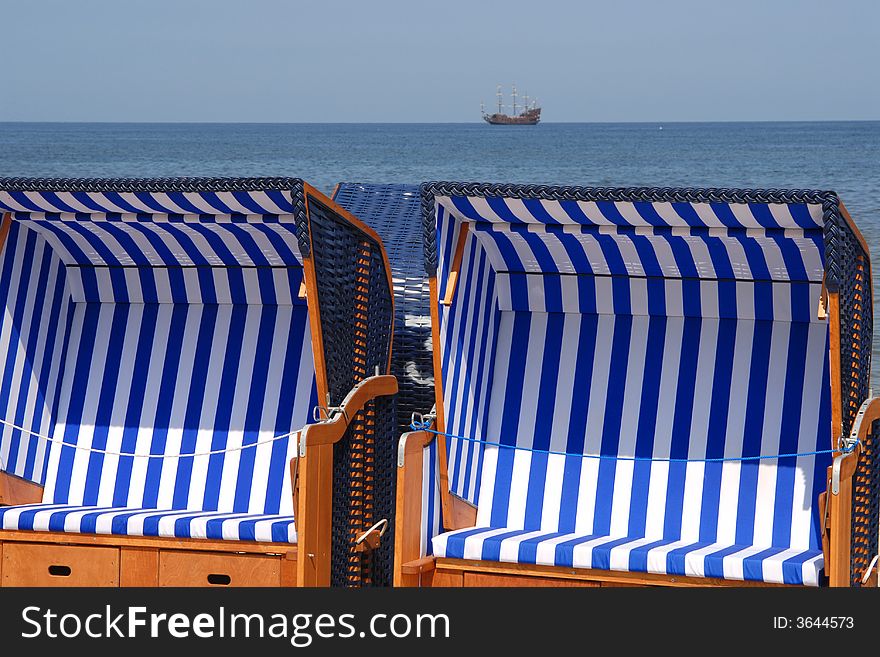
[
  {"x": 498, "y": 93},
  {"x": 514, "y": 99}
]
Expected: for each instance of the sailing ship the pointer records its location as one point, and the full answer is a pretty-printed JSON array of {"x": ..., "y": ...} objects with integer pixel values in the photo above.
[{"x": 530, "y": 114}]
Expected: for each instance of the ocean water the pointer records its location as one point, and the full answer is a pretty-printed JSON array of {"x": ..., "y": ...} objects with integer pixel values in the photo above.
[{"x": 843, "y": 156}]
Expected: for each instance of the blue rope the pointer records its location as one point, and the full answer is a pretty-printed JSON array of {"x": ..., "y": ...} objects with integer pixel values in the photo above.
[{"x": 417, "y": 427}]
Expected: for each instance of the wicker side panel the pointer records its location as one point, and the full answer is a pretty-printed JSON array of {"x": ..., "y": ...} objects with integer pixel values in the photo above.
[
  {"x": 356, "y": 325},
  {"x": 856, "y": 324},
  {"x": 866, "y": 506},
  {"x": 856, "y": 335},
  {"x": 393, "y": 211}
]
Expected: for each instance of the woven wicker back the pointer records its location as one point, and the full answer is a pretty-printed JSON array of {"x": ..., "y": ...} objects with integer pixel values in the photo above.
[{"x": 356, "y": 314}]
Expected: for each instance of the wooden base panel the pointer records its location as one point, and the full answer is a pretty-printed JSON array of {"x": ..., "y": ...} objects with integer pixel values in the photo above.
[
  {"x": 48, "y": 559},
  {"x": 459, "y": 572}
]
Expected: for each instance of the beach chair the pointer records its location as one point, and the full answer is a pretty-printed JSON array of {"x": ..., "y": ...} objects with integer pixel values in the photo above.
[
  {"x": 394, "y": 212},
  {"x": 643, "y": 387},
  {"x": 171, "y": 346}
]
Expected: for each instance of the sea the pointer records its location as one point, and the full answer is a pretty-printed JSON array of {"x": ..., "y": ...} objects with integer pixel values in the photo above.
[{"x": 840, "y": 156}]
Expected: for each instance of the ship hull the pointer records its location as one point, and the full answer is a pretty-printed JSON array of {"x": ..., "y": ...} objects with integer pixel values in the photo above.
[
  {"x": 511, "y": 121},
  {"x": 529, "y": 117}
]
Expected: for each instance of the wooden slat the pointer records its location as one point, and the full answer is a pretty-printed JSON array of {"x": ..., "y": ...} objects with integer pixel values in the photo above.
[
  {"x": 840, "y": 534},
  {"x": 440, "y": 422},
  {"x": 288, "y": 570},
  {"x": 15, "y": 490},
  {"x": 494, "y": 580},
  {"x": 834, "y": 363},
  {"x": 445, "y": 566},
  {"x": 452, "y": 280},
  {"x": 408, "y": 507},
  {"x": 138, "y": 567}
]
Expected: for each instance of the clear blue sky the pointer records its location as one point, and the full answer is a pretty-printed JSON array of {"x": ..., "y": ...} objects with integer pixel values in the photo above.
[{"x": 397, "y": 60}]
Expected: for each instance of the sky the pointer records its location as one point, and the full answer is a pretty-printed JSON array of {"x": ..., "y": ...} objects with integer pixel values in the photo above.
[{"x": 395, "y": 60}]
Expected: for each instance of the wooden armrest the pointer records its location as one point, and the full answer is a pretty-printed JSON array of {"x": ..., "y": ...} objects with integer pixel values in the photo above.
[
  {"x": 868, "y": 413},
  {"x": 419, "y": 566},
  {"x": 410, "y": 443},
  {"x": 844, "y": 466},
  {"x": 331, "y": 431},
  {"x": 15, "y": 490}
]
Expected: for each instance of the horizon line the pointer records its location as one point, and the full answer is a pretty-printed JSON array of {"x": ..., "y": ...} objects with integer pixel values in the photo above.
[{"x": 632, "y": 122}]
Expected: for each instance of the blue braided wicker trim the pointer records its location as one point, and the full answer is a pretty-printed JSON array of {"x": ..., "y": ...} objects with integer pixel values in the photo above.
[
  {"x": 828, "y": 200},
  {"x": 195, "y": 184}
]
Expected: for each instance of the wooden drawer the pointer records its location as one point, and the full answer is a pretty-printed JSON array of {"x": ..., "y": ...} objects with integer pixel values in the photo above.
[
  {"x": 32, "y": 564},
  {"x": 212, "y": 569}
]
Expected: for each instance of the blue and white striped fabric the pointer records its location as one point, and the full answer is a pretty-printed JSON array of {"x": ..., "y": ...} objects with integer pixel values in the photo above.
[
  {"x": 34, "y": 324},
  {"x": 203, "y": 344},
  {"x": 264, "y": 528},
  {"x": 654, "y": 330}
]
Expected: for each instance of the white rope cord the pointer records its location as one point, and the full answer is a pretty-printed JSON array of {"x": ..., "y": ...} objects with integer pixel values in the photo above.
[{"x": 106, "y": 452}]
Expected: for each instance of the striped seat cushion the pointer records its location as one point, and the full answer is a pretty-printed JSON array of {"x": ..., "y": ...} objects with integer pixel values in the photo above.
[
  {"x": 778, "y": 565},
  {"x": 160, "y": 325},
  {"x": 606, "y": 355},
  {"x": 124, "y": 521}
]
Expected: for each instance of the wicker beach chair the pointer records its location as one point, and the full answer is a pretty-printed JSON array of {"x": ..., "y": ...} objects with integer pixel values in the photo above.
[
  {"x": 167, "y": 343},
  {"x": 643, "y": 386}
]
